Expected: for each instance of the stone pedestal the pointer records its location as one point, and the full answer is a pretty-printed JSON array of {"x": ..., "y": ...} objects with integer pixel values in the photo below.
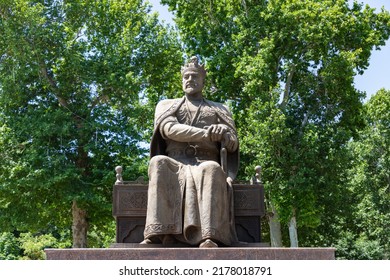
[
  {"x": 246, "y": 253},
  {"x": 130, "y": 204}
]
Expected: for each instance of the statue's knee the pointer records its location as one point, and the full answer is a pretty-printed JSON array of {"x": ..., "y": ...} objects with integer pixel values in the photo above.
[
  {"x": 156, "y": 161},
  {"x": 158, "y": 158},
  {"x": 210, "y": 165}
]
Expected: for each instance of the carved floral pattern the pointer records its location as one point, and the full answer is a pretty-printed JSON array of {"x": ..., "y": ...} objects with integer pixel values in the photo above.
[{"x": 131, "y": 200}]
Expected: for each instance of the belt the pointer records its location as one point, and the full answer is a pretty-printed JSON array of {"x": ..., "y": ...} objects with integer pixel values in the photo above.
[{"x": 192, "y": 151}]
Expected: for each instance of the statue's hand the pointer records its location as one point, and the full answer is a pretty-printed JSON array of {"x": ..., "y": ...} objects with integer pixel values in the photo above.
[
  {"x": 216, "y": 132},
  {"x": 230, "y": 142}
]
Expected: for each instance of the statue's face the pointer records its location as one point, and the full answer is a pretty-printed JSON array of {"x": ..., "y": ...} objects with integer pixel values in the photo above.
[{"x": 193, "y": 82}]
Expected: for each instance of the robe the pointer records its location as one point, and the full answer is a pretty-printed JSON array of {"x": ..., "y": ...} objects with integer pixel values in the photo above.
[{"x": 188, "y": 195}]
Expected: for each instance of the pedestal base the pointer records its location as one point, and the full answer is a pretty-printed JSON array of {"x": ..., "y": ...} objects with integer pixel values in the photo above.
[{"x": 245, "y": 253}]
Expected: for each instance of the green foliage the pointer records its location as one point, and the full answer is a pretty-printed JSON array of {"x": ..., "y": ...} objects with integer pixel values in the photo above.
[
  {"x": 78, "y": 84},
  {"x": 29, "y": 246},
  {"x": 102, "y": 236},
  {"x": 9, "y": 246},
  {"x": 350, "y": 247},
  {"x": 287, "y": 69},
  {"x": 369, "y": 175},
  {"x": 33, "y": 245}
]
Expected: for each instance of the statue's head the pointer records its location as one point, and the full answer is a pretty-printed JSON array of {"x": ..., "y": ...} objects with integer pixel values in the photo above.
[{"x": 193, "y": 76}]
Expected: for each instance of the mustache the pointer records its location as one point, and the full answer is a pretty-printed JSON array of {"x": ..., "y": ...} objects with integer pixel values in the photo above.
[{"x": 191, "y": 84}]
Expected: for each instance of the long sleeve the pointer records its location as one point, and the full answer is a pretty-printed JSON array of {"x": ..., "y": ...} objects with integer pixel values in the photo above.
[{"x": 172, "y": 129}]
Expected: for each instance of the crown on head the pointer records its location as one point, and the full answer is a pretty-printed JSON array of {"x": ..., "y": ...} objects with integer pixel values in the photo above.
[{"x": 193, "y": 65}]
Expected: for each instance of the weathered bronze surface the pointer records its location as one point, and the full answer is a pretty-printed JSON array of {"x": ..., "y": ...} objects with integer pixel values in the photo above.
[{"x": 190, "y": 196}]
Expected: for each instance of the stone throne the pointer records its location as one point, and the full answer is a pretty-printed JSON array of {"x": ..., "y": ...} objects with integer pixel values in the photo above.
[{"x": 130, "y": 204}]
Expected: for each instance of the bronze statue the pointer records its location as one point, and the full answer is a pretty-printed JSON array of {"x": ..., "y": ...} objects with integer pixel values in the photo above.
[{"x": 194, "y": 159}]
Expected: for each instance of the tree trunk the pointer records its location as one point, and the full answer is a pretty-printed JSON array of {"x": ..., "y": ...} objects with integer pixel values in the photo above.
[
  {"x": 292, "y": 229},
  {"x": 80, "y": 223},
  {"x": 274, "y": 227},
  {"x": 79, "y": 226}
]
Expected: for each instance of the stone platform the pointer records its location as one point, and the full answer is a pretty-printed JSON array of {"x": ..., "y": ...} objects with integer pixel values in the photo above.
[{"x": 244, "y": 253}]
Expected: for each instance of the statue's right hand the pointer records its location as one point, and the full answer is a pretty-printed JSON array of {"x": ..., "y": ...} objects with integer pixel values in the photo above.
[{"x": 216, "y": 132}]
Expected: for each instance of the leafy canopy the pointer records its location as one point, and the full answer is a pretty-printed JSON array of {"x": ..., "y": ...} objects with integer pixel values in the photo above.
[{"x": 78, "y": 84}]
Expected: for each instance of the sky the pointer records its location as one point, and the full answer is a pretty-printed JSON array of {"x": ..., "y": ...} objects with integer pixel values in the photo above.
[{"x": 374, "y": 78}]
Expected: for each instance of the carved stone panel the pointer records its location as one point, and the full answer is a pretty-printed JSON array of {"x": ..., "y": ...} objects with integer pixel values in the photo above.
[
  {"x": 248, "y": 200},
  {"x": 130, "y": 200}
]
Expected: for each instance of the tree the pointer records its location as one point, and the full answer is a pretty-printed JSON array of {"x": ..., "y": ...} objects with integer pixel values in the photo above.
[
  {"x": 76, "y": 82},
  {"x": 287, "y": 69},
  {"x": 369, "y": 178}
]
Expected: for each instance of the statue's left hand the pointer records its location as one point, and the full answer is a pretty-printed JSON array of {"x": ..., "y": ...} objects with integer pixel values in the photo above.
[{"x": 230, "y": 142}]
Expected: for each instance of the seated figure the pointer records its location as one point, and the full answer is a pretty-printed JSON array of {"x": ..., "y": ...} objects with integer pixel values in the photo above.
[{"x": 190, "y": 196}]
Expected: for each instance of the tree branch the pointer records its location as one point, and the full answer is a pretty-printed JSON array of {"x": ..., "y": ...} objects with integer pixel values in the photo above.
[
  {"x": 286, "y": 94},
  {"x": 52, "y": 83},
  {"x": 95, "y": 102}
]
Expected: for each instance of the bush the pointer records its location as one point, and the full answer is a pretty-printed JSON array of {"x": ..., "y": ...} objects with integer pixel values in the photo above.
[
  {"x": 352, "y": 247},
  {"x": 33, "y": 246},
  {"x": 9, "y": 246}
]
